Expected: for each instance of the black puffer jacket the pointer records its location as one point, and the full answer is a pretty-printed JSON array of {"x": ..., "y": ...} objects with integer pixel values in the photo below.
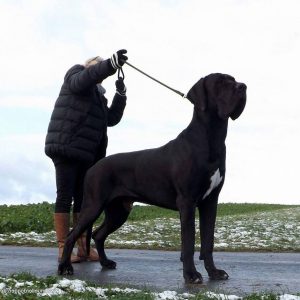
[{"x": 78, "y": 125}]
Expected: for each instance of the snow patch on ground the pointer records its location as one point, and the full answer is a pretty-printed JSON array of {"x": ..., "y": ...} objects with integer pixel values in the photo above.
[
  {"x": 274, "y": 230},
  {"x": 289, "y": 297},
  {"x": 10, "y": 286},
  {"x": 222, "y": 296},
  {"x": 53, "y": 291}
]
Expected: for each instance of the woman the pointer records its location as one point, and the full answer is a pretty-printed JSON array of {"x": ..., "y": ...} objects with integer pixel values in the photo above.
[{"x": 77, "y": 138}]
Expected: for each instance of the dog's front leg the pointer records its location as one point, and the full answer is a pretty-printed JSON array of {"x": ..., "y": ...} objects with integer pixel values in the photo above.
[
  {"x": 187, "y": 219},
  {"x": 207, "y": 214}
]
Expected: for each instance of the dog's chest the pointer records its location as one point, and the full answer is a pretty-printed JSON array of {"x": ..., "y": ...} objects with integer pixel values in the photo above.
[{"x": 215, "y": 180}]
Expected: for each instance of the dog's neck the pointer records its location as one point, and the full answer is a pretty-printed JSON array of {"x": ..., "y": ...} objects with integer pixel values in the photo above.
[{"x": 208, "y": 127}]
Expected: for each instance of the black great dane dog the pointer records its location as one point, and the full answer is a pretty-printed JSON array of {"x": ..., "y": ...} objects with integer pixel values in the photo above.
[{"x": 185, "y": 174}]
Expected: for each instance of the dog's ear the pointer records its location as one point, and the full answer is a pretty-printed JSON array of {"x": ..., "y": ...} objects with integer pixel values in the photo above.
[{"x": 197, "y": 95}]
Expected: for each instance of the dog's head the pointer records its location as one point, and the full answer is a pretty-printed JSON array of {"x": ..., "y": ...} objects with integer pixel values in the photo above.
[{"x": 219, "y": 93}]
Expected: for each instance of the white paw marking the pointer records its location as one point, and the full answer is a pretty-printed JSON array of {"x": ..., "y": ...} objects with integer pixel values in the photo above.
[{"x": 215, "y": 180}]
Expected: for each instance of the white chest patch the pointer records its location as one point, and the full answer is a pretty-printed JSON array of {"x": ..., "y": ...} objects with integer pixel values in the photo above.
[{"x": 215, "y": 180}]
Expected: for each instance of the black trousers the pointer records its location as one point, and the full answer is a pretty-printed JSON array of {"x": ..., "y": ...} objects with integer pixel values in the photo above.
[{"x": 69, "y": 184}]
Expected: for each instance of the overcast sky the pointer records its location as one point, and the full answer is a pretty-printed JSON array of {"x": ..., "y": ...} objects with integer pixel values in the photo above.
[{"x": 257, "y": 41}]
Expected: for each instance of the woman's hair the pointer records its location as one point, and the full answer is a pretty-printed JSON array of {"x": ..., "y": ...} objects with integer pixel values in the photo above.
[{"x": 93, "y": 61}]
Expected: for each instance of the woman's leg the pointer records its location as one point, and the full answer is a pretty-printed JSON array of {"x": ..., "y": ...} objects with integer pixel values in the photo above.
[
  {"x": 65, "y": 183},
  {"x": 84, "y": 250}
]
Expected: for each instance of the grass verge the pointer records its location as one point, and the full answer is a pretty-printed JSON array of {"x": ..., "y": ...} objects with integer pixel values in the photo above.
[
  {"x": 239, "y": 227},
  {"x": 26, "y": 286},
  {"x": 39, "y": 217}
]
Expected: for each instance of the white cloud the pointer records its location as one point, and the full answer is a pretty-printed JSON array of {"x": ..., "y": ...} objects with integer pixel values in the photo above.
[
  {"x": 26, "y": 174},
  {"x": 178, "y": 42},
  {"x": 36, "y": 102}
]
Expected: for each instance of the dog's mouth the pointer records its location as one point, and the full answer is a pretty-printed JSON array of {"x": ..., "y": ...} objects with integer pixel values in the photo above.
[
  {"x": 239, "y": 108},
  {"x": 240, "y": 94}
]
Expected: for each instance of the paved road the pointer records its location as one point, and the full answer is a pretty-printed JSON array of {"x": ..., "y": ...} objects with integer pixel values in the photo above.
[{"x": 160, "y": 270}]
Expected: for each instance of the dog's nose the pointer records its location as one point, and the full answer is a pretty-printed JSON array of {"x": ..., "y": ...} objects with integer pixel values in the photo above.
[{"x": 241, "y": 87}]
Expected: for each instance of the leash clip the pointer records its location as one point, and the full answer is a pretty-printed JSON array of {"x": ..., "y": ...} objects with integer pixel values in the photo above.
[{"x": 121, "y": 74}]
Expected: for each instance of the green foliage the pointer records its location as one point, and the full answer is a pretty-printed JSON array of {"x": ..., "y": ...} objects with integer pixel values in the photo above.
[
  {"x": 23, "y": 276},
  {"x": 26, "y": 286},
  {"x": 26, "y": 218},
  {"x": 39, "y": 217},
  {"x": 256, "y": 296},
  {"x": 230, "y": 209},
  {"x": 142, "y": 213}
]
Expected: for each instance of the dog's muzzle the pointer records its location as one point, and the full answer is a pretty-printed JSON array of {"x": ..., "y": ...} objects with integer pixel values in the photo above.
[{"x": 241, "y": 103}]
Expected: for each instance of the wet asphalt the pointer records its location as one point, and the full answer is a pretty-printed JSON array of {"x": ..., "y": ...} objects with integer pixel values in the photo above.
[{"x": 162, "y": 270}]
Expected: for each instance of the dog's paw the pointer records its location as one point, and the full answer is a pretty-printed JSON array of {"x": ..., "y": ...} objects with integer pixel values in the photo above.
[
  {"x": 108, "y": 264},
  {"x": 193, "y": 278},
  {"x": 218, "y": 275},
  {"x": 65, "y": 269}
]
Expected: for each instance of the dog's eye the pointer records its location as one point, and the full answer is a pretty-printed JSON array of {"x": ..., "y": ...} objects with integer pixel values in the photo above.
[
  {"x": 226, "y": 80},
  {"x": 225, "y": 83}
]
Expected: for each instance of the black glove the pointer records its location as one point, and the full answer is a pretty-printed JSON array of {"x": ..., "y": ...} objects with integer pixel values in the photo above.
[
  {"x": 121, "y": 88},
  {"x": 118, "y": 59}
]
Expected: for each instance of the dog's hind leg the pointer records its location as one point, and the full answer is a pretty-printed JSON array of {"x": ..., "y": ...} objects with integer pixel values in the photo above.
[
  {"x": 86, "y": 219},
  {"x": 116, "y": 215},
  {"x": 207, "y": 214}
]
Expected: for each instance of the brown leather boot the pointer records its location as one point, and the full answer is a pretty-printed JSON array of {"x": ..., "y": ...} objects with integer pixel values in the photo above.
[
  {"x": 62, "y": 226},
  {"x": 82, "y": 245}
]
